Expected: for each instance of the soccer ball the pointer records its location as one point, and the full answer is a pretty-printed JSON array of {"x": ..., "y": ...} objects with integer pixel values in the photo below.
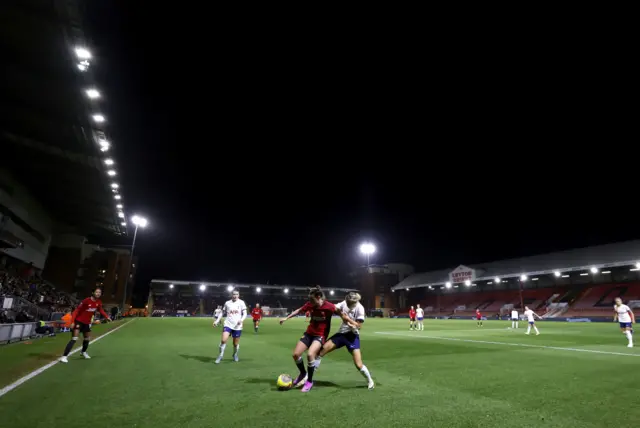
[{"x": 284, "y": 382}]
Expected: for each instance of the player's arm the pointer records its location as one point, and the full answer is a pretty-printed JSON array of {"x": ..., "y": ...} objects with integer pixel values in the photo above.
[
  {"x": 633, "y": 317},
  {"x": 615, "y": 315},
  {"x": 103, "y": 313},
  {"x": 75, "y": 313},
  {"x": 244, "y": 316},
  {"x": 346, "y": 318},
  {"x": 539, "y": 317},
  {"x": 291, "y": 315}
]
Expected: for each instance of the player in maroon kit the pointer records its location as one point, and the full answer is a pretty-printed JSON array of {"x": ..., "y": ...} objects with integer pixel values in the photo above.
[
  {"x": 412, "y": 318},
  {"x": 256, "y": 314},
  {"x": 478, "y": 318},
  {"x": 315, "y": 336},
  {"x": 81, "y": 322}
]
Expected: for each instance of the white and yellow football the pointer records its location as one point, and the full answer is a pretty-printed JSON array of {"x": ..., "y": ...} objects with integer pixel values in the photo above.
[{"x": 284, "y": 382}]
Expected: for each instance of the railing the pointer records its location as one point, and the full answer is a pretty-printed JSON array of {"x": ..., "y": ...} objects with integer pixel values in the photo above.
[
  {"x": 18, "y": 331},
  {"x": 18, "y": 304}
]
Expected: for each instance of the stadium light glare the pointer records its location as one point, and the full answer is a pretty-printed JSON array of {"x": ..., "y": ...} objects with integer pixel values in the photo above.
[
  {"x": 117, "y": 197},
  {"x": 202, "y": 287},
  {"x": 82, "y": 66},
  {"x": 114, "y": 185},
  {"x": 139, "y": 221},
  {"x": 557, "y": 274},
  {"x": 92, "y": 93},
  {"x": 229, "y": 288},
  {"x": 124, "y": 223},
  {"x": 108, "y": 162},
  {"x": 407, "y": 289},
  {"x": 98, "y": 118},
  {"x": 286, "y": 290},
  {"x": 448, "y": 285},
  {"x": 82, "y": 53},
  {"x": 638, "y": 265},
  {"x": 605, "y": 271},
  {"x": 170, "y": 285},
  {"x": 332, "y": 292},
  {"x": 121, "y": 214},
  {"x": 119, "y": 206},
  {"x": 523, "y": 278},
  {"x": 594, "y": 270},
  {"x": 565, "y": 276},
  {"x": 467, "y": 283},
  {"x": 497, "y": 280},
  {"x": 112, "y": 173},
  {"x": 258, "y": 290},
  {"x": 367, "y": 249}
]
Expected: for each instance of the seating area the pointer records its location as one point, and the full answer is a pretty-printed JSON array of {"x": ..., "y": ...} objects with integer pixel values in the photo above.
[
  {"x": 32, "y": 295},
  {"x": 490, "y": 303},
  {"x": 598, "y": 301}
]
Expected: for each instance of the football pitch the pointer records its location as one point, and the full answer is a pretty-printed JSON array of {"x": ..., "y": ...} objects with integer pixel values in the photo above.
[{"x": 159, "y": 372}]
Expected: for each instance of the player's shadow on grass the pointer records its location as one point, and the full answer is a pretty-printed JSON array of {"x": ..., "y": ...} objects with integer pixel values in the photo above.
[
  {"x": 198, "y": 358},
  {"x": 320, "y": 383}
]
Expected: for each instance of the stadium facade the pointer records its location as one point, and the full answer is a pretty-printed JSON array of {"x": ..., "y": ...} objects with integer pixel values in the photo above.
[
  {"x": 612, "y": 268},
  {"x": 198, "y": 298},
  {"x": 59, "y": 193}
]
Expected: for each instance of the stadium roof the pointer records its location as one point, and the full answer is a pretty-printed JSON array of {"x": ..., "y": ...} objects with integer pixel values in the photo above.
[
  {"x": 581, "y": 259},
  {"x": 48, "y": 132},
  {"x": 240, "y": 285}
]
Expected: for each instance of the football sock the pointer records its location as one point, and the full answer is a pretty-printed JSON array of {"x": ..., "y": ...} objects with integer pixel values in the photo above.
[
  {"x": 628, "y": 334},
  {"x": 221, "y": 347},
  {"x": 235, "y": 349},
  {"x": 311, "y": 367},
  {"x": 69, "y": 346},
  {"x": 536, "y": 329},
  {"x": 365, "y": 372},
  {"x": 529, "y": 329},
  {"x": 300, "y": 365},
  {"x": 85, "y": 345}
]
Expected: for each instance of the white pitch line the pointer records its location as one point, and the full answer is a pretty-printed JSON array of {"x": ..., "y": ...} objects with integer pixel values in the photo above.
[
  {"x": 36, "y": 372},
  {"x": 523, "y": 345}
]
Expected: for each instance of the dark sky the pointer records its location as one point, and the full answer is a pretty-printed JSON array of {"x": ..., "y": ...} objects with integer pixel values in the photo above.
[{"x": 258, "y": 156}]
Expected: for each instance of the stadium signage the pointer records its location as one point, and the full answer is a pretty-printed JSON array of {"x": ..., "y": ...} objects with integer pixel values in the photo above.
[{"x": 461, "y": 274}]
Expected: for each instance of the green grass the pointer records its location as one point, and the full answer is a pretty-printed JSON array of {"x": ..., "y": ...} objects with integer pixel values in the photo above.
[{"x": 160, "y": 373}]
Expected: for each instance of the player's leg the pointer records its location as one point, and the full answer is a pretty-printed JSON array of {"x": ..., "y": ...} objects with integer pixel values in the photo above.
[
  {"x": 536, "y": 329},
  {"x": 236, "y": 343},
  {"x": 86, "y": 338},
  {"x": 357, "y": 360},
  {"x": 328, "y": 347},
  {"x": 223, "y": 343},
  {"x": 528, "y": 328},
  {"x": 74, "y": 338},
  {"x": 301, "y": 346},
  {"x": 256, "y": 325},
  {"x": 627, "y": 332},
  {"x": 312, "y": 353}
]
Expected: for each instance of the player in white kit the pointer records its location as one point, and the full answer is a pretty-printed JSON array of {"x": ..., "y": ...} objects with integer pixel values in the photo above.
[
  {"x": 419, "y": 318},
  {"x": 236, "y": 311},
  {"x": 532, "y": 322},
  {"x": 217, "y": 313},
  {"x": 349, "y": 336},
  {"x": 626, "y": 318},
  {"x": 514, "y": 318}
]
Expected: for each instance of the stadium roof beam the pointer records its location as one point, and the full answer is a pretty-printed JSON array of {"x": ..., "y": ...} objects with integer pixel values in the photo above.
[
  {"x": 243, "y": 285},
  {"x": 578, "y": 260}
]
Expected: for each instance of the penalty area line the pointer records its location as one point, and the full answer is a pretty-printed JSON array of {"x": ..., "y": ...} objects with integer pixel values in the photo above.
[
  {"x": 36, "y": 372},
  {"x": 522, "y": 345}
]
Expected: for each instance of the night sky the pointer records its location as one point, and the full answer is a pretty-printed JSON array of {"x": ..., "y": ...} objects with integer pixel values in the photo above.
[{"x": 259, "y": 157}]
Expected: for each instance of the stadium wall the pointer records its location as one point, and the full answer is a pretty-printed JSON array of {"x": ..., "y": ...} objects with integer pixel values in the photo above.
[{"x": 22, "y": 217}]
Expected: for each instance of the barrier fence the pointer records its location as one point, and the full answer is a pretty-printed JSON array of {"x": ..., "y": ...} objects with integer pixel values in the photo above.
[{"x": 18, "y": 331}]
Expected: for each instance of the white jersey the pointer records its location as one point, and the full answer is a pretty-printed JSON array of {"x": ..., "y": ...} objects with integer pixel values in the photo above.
[
  {"x": 217, "y": 313},
  {"x": 529, "y": 315},
  {"x": 623, "y": 313},
  {"x": 419, "y": 313},
  {"x": 356, "y": 313},
  {"x": 514, "y": 315},
  {"x": 236, "y": 312}
]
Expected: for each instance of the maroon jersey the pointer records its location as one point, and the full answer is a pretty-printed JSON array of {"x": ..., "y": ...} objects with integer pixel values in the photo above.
[
  {"x": 256, "y": 314},
  {"x": 86, "y": 309},
  {"x": 412, "y": 313},
  {"x": 320, "y": 322},
  {"x": 478, "y": 315}
]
